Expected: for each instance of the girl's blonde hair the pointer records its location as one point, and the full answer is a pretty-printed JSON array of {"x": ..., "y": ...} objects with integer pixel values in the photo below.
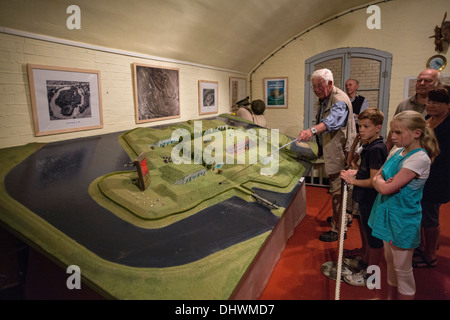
[{"x": 412, "y": 120}]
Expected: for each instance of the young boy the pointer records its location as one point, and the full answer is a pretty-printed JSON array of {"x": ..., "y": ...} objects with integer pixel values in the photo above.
[{"x": 373, "y": 156}]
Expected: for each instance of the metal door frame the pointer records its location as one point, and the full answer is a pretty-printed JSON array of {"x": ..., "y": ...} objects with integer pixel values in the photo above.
[{"x": 346, "y": 54}]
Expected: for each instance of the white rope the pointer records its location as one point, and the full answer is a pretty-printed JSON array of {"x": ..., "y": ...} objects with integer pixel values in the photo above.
[{"x": 341, "y": 239}]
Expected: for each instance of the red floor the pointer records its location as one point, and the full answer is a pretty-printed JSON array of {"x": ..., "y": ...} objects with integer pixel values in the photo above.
[{"x": 297, "y": 275}]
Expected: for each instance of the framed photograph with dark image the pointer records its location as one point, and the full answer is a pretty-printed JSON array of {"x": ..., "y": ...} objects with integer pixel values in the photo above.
[
  {"x": 64, "y": 99},
  {"x": 156, "y": 93},
  {"x": 208, "y": 97}
]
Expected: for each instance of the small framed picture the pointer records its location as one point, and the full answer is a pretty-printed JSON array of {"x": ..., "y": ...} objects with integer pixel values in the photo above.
[
  {"x": 64, "y": 99},
  {"x": 238, "y": 90},
  {"x": 208, "y": 97},
  {"x": 156, "y": 93},
  {"x": 276, "y": 93},
  {"x": 437, "y": 62}
]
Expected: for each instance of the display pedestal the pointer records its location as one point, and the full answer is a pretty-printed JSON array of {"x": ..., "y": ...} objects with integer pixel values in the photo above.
[{"x": 255, "y": 279}]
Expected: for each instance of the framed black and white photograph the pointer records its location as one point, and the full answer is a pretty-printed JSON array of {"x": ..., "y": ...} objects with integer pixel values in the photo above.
[
  {"x": 64, "y": 99},
  {"x": 156, "y": 93},
  {"x": 276, "y": 93},
  {"x": 208, "y": 97},
  {"x": 238, "y": 90}
]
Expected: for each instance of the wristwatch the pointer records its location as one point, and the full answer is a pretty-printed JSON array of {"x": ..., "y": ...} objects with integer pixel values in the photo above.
[{"x": 314, "y": 131}]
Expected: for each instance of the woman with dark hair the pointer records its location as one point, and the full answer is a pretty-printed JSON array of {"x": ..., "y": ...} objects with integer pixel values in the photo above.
[{"x": 437, "y": 187}]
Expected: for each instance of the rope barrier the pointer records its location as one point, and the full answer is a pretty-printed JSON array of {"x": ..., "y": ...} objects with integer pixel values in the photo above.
[{"x": 343, "y": 223}]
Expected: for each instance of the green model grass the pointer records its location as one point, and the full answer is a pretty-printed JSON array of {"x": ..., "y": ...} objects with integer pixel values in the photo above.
[{"x": 181, "y": 189}]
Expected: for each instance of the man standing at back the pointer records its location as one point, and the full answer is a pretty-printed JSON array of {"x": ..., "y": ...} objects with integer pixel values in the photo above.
[
  {"x": 335, "y": 131},
  {"x": 359, "y": 103},
  {"x": 426, "y": 80}
]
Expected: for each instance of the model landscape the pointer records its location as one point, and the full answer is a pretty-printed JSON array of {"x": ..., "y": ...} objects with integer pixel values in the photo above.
[
  {"x": 191, "y": 234},
  {"x": 178, "y": 187}
]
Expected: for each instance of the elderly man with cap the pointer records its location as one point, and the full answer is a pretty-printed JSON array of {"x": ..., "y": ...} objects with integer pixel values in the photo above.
[{"x": 335, "y": 131}]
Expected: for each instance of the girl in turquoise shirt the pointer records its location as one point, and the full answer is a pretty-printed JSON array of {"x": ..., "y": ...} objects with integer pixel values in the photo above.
[{"x": 396, "y": 214}]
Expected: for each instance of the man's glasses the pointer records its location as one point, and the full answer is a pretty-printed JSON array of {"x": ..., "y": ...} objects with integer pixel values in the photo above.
[{"x": 319, "y": 86}]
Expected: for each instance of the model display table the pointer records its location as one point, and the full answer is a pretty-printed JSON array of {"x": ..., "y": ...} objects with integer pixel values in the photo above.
[{"x": 187, "y": 236}]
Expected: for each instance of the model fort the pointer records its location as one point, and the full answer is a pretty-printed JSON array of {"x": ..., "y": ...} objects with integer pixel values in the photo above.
[{"x": 198, "y": 162}]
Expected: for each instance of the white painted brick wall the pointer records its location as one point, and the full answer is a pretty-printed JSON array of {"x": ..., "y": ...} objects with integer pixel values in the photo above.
[
  {"x": 405, "y": 29},
  {"x": 117, "y": 88}
]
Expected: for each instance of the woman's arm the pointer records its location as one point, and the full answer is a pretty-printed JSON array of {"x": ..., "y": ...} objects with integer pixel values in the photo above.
[{"x": 393, "y": 185}]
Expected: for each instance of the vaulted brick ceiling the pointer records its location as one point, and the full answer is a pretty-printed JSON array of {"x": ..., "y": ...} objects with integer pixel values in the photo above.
[{"x": 229, "y": 34}]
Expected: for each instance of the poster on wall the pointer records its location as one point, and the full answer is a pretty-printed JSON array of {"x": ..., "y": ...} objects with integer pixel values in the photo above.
[
  {"x": 156, "y": 93},
  {"x": 275, "y": 93},
  {"x": 208, "y": 97},
  {"x": 64, "y": 99},
  {"x": 238, "y": 90}
]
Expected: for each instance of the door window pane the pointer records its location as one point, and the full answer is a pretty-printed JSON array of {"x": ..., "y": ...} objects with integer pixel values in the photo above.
[{"x": 367, "y": 72}]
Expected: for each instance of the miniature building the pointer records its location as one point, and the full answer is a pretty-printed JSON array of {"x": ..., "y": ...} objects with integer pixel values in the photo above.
[{"x": 191, "y": 176}]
